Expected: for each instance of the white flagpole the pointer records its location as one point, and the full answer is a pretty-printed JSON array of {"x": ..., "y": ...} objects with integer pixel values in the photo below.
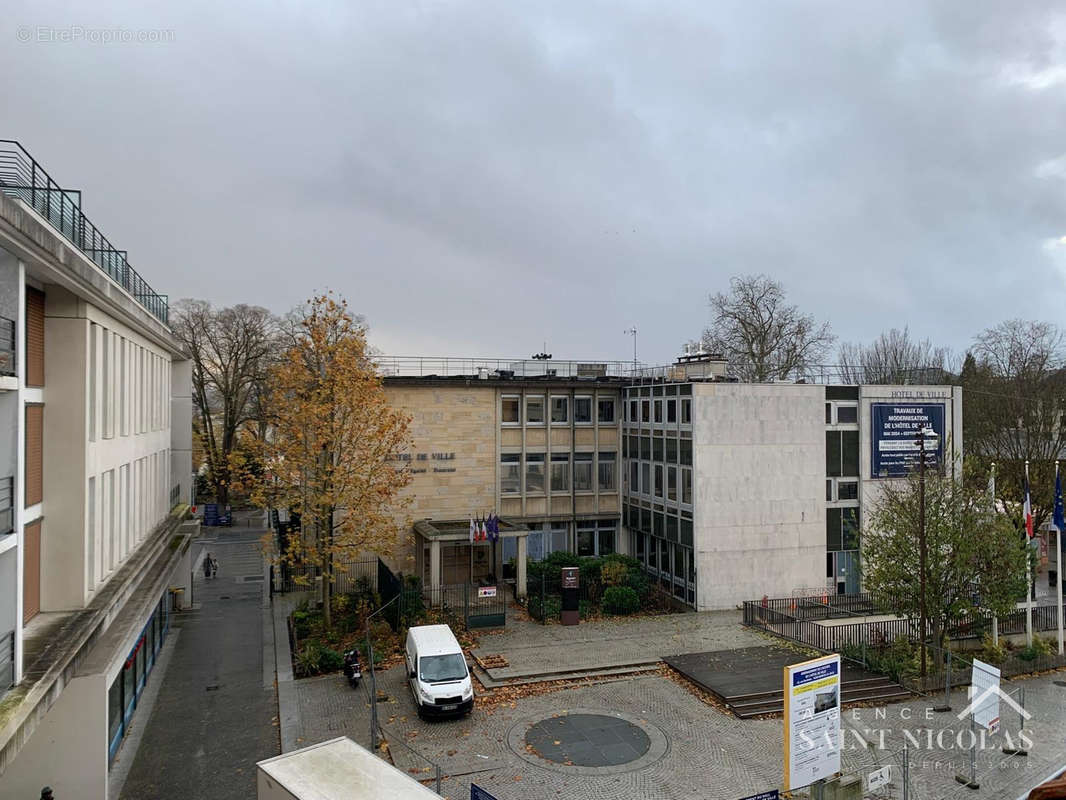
[
  {"x": 1028, "y": 569},
  {"x": 1058, "y": 564},
  {"x": 995, "y": 617}
]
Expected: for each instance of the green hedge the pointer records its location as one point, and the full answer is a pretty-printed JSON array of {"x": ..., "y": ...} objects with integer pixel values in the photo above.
[{"x": 620, "y": 600}]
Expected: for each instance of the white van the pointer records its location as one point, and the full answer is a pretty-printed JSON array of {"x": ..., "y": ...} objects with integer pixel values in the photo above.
[{"x": 436, "y": 670}]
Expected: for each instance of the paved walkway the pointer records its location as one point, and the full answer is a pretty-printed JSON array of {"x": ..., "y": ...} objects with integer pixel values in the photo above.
[
  {"x": 531, "y": 648},
  {"x": 216, "y": 712}
]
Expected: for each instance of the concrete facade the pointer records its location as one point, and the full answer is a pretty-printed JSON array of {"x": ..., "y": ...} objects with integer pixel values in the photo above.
[
  {"x": 759, "y": 504},
  {"x": 86, "y": 569}
]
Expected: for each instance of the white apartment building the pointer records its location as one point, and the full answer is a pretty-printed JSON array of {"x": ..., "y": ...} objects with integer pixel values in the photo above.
[{"x": 95, "y": 450}]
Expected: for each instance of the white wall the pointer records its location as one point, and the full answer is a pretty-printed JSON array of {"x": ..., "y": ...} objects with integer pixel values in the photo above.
[
  {"x": 759, "y": 490},
  {"x": 68, "y": 750}
]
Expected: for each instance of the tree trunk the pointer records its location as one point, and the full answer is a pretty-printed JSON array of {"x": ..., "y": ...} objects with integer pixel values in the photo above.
[{"x": 325, "y": 524}]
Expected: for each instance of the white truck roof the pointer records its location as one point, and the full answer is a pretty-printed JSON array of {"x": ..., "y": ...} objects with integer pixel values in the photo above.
[
  {"x": 434, "y": 640},
  {"x": 338, "y": 769}
]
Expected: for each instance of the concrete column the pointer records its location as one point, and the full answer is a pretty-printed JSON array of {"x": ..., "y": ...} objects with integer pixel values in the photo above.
[
  {"x": 520, "y": 567},
  {"x": 434, "y": 566}
]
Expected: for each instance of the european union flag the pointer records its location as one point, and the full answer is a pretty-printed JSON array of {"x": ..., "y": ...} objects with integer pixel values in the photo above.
[{"x": 1058, "y": 519}]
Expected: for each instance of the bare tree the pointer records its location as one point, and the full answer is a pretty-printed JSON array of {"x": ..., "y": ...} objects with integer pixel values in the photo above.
[
  {"x": 230, "y": 350},
  {"x": 1014, "y": 388},
  {"x": 894, "y": 358},
  {"x": 760, "y": 334}
]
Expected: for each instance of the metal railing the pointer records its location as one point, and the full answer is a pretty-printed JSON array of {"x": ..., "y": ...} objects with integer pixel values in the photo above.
[
  {"x": 7, "y": 347},
  {"x": 444, "y": 367},
  {"x": 175, "y": 494},
  {"x": 23, "y": 178},
  {"x": 7, "y": 505},
  {"x": 7, "y": 661}
]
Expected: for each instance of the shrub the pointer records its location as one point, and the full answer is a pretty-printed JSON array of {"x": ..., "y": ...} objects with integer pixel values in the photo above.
[
  {"x": 550, "y": 608},
  {"x": 330, "y": 660},
  {"x": 992, "y": 653},
  {"x": 613, "y": 573},
  {"x": 309, "y": 659},
  {"x": 620, "y": 600}
]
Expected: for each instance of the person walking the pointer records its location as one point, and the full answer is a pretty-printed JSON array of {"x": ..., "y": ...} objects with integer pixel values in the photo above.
[
  {"x": 208, "y": 561},
  {"x": 214, "y": 567}
]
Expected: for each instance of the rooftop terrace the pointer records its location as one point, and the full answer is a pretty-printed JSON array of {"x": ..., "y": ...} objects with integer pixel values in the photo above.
[{"x": 22, "y": 178}]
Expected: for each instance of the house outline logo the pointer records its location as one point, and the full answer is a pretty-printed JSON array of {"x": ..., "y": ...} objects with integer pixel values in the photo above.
[{"x": 978, "y": 701}]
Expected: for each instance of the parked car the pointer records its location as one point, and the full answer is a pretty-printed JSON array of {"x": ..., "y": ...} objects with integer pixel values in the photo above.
[{"x": 437, "y": 672}]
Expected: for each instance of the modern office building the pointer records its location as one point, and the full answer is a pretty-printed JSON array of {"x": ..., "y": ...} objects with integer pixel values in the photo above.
[
  {"x": 95, "y": 450},
  {"x": 725, "y": 491}
]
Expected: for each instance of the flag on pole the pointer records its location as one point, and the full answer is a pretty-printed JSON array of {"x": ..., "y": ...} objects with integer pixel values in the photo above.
[
  {"x": 992, "y": 487},
  {"x": 1058, "y": 519},
  {"x": 1027, "y": 509},
  {"x": 472, "y": 529},
  {"x": 494, "y": 527},
  {"x": 484, "y": 532}
]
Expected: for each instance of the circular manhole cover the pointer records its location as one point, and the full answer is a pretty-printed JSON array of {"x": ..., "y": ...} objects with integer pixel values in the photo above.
[{"x": 588, "y": 740}]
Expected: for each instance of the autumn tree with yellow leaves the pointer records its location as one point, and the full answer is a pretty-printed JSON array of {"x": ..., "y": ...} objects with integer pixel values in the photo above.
[{"x": 328, "y": 450}]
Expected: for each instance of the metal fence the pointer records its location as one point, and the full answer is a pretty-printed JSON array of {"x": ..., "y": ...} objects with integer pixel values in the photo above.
[
  {"x": 23, "y": 178},
  {"x": 7, "y": 661},
  {"x": 348, "y": 576}
]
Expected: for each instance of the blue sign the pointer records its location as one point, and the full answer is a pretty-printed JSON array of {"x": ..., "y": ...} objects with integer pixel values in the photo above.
[
  {"x": 477, "y": 793},
  {"x": 773, "y": 794},
  {"x": 894, "y": 437}
]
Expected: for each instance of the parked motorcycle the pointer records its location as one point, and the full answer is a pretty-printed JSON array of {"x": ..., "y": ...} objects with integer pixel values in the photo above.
[{"x": 351, "y": 668}]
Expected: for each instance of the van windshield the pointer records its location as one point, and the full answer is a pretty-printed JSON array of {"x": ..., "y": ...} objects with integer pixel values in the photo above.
[{"x": 436, "y": 669}]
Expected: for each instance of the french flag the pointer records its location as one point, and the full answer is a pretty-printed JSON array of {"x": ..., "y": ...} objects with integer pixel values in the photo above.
[{"x": 1027, "y": 509}]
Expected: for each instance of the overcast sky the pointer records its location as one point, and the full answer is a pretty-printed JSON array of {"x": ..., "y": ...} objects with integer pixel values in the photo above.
[{"x": 479, "y": 178}]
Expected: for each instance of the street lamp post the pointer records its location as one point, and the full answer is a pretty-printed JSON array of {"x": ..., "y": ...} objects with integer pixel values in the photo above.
[{"x": 923, "y": 434}]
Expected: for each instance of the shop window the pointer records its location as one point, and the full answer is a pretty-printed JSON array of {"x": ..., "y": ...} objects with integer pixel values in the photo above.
[
  {"x": 534, "y": 473},
  {"x": 607, "y": 472},
  {"x": 509, "y": 410},
  {"x": 606, "y": 410},
  {"x": 560, "y": 472},
  {"x": 534, "y": 410},
  {"x": 583, "y": 410},
  {"x": 583, "y": 472},
  {"x": 510, "y": 473},
  {"x": 560, "y": 410}
]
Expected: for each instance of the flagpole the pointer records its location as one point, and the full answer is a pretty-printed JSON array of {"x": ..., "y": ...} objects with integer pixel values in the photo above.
[
  {"x": 1028, "y": 568},
  {"x": 1058, "y": 553},
  {"x": 992, "y": 487}
]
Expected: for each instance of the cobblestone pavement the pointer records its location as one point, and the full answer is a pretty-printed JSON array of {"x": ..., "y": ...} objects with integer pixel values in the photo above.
[
  {"x": 532, "y": 648},
  {"x": 708, "y": 755}
]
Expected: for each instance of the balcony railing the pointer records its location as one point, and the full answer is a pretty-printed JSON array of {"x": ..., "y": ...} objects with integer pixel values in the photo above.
[
  {"x": 426, "y": 366},
  {"x": 7, "y": 347},
  {"x": 7, "y": 661},
  {"x": 7, "y": 505},
  {"x": 22, "y": 177}
]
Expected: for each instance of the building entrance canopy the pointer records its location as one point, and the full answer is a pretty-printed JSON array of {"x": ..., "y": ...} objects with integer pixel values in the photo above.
[{"x": 445, "y": 555}]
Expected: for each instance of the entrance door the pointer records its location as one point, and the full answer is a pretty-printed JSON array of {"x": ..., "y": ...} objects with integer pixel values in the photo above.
[
  {"x": 846, "y": 571},
  {"x": 31, "y": 571}
]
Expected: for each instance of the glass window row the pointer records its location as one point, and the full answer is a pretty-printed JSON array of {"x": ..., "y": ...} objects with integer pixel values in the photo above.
[
  {"x": 671, "y": 449},
  {"x": 586, "y": 472},
  {"x": 660, "y": 482},
  {"x": 558, "y": 409}
]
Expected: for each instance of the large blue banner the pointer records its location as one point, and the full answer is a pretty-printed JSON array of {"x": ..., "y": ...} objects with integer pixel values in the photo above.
[{"x": 894, "y": 437}]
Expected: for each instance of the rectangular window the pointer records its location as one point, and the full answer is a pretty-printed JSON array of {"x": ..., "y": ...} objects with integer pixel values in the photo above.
[
  {"x": 828, "y": 413},
  {"x": 686, "y": 452},
  {"x": 841, "y": 453},
  {"x": 842, "y": 529},
  {"x": 657, "y": 448},
  {"x": 633, "y": 411},
  {"x": 105, "y": 383},
  {"x": 671, "y": 483},
  {"x": 686, "y": 486},
  {"x": 671, "y": 450},
  {"x": 686, "y": 411},
  {"x": 586, "y": 539},
  {"x": 123, "y": 388},
  {"x": 606, "y": 471},
  {"x": 847, "y": 414},
  {"x": 645, "y": 410},
  {"x": 645, "y": 478},
  {"x": 847, "y": 490},
  {"x": 510, "y": 477},
  {"x": 582, "y": 410},
  {"x": 534, "y": 410},
  {"x": 658, "y": 480},
  {"x": 605, "y": 538},
  {"x": 582, "y": 472},
  {"x": 634, "y": 477},
  {"x": 658, "y": 411},
  {"x": 34, "y": 337},
  {"x": 509, "y": 411},
  {"x": 560, "y": 409},
  {"x": 93, "y": 380},
  {"x": 534, "y": 473},
  {"x": 671, "y": 410},
  {"x": 606, "y": 410},
  {"x": 560, "y": 472},
  {"x": 829, "y": 489}
]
